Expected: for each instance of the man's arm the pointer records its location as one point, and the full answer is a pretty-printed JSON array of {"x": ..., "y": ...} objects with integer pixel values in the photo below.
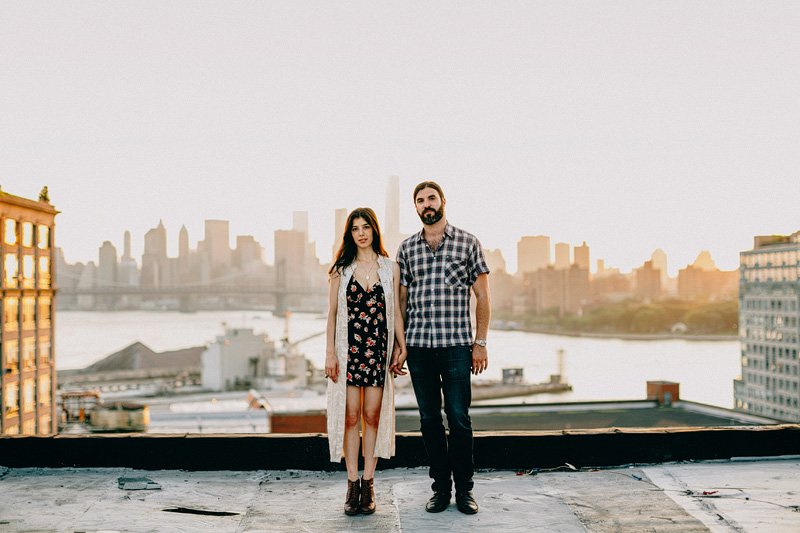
[
  {"x": 403, "y": 297},
  {"x": 483, "y": 313}
]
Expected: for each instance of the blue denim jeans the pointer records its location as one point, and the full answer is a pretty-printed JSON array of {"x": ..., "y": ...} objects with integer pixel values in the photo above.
[{"x": 437, "y": 372}]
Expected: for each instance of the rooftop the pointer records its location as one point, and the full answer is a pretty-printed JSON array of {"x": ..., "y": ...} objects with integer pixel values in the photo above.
[{"x": 725, "y": 495}]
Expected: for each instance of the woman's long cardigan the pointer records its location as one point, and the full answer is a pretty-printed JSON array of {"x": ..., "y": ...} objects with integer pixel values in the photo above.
[{"x": 385, "y": 443}]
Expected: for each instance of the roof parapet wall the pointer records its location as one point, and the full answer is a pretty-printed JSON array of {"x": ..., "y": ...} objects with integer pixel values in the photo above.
[{"x": 501, "y": 450}]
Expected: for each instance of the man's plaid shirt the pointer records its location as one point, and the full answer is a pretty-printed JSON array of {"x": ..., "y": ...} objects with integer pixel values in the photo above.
[{"x": 439, "y": 286}]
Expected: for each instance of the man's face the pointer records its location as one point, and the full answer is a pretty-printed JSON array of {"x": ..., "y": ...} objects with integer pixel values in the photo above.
[{"x": 430, "y": 206}]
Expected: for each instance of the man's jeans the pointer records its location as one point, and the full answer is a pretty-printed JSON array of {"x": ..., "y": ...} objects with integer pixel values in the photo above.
[{"x": 445, "y": 370}]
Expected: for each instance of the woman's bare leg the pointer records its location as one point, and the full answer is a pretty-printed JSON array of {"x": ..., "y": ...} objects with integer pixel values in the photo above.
[
  {"x": 352, "y": 439},
  {"x": 372, "y": 415}
]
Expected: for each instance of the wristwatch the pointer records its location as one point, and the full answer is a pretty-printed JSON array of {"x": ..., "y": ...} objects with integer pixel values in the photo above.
[{"x": 480, "y": 342}]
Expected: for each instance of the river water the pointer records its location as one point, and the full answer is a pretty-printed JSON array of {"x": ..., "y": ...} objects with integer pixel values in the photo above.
[{"x": 598, "y": 369}]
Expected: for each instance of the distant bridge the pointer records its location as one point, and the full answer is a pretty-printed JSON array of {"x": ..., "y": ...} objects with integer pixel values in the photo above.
[
  {"x": 189, "y": 292},
  {"x": 194, "y": 290}
]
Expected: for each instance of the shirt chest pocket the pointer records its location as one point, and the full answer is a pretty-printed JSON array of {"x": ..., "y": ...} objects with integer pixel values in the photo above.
[{"x": 456, "y": 274}]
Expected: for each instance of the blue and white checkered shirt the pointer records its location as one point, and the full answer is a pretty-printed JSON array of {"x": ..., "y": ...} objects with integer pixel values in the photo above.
[{"x": 439, "y": 286}]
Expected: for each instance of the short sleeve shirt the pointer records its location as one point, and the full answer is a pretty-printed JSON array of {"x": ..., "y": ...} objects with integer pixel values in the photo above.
[{"x": 439, "y": 286}]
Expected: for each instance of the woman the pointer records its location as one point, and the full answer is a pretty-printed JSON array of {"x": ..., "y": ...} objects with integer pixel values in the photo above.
[{"x": 364, "y": 324}]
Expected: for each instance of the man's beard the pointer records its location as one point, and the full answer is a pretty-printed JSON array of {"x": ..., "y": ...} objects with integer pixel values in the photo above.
[{"x": 430, "y": 217}]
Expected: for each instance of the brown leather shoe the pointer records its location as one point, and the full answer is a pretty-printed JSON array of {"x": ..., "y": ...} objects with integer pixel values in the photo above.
[
  {"x": 353, "y": 500},
  {"x": 367, "y": 496}
]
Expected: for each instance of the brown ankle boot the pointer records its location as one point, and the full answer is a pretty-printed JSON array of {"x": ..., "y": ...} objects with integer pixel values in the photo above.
[
  {"x": 353, "y": 499},
  {"x": 367, "y": 496}
]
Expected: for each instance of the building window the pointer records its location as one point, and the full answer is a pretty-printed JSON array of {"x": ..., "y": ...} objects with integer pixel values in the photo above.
[
  {"x": 10, "y": 231},
  {"x": 27, "y": 234},
  {"x": 29, "y": 352},
  {"x": 28, "y": 396},
  {"x": 43, "y": 239},
  {"x": 11, "y": 400},
  {"x": 11, "y": 270},
  {"x": 11, "y": 314},
  {"x": 44, "y": 425},
  {"x": 28, "y": 271},
  {"x": 44, "y": 350},
  {"x": 44, "y": 272},
  {"x": 44, "y": 390},
  {"x": 44, "y": 312},
  {"x": 12, "y": 354},
  {"x": 28, "y": 312}
]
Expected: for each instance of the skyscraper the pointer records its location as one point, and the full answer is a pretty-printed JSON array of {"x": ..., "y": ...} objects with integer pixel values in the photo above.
[
  {"x": 126, "y": 254},
  {"x": 128, "y": 271},
  {"x": 27, "y": 358},
  {"x": 154, "y": 258},
  {"x": 290, "y": 258},
  {"x": 217, "y": 246},
  {"x": 582, "y": 256},
  {"x": 659, "y": 259},
  {"x": 391, "y": 226},
  {"x": 107, "y": 265},
  {"x": 392, "y": 220},
  {"x": 533, "y": 253},
  {"x": 562, "y": 256},
  {"x": 300, "y": 222},
  {"x": 340, "y": 220},
  {"x": 648, "y": 281},
  {"x": 769, "y": 309}
]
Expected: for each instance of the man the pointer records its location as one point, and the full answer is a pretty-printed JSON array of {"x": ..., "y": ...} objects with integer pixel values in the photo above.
[{"x": 438, "y": 268}]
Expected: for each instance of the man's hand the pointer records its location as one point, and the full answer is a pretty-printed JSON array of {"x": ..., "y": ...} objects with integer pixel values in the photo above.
[
  {"x": 398, "y": 361},
  {"x": 480, "y": 359}
]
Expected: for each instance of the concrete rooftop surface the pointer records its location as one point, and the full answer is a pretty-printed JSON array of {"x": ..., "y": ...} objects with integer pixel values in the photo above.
[{"x": 727, "y": 495}]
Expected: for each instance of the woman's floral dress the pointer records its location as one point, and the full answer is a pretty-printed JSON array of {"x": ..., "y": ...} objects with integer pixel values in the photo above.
[{"x": 366, "y": 335}]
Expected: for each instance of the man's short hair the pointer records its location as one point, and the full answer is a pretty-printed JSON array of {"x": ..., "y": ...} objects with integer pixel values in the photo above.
[{"x": 425, "y": 185}]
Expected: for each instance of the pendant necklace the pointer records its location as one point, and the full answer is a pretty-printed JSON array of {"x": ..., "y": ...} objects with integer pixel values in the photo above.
[{"x": 369, "y": 272}]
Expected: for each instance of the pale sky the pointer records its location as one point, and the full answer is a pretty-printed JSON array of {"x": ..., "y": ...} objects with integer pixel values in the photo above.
[{"x": 631, "y": 125}]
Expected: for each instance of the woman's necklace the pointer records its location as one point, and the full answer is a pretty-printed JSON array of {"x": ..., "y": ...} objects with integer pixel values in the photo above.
[{"x": 372, "y": 267}]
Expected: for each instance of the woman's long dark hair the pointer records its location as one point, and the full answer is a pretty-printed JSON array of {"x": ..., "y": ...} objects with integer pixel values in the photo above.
[{"x": 348, "y": 249}]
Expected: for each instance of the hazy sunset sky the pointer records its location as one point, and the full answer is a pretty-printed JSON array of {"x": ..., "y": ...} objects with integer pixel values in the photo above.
[{"x": 631, "y": 125}]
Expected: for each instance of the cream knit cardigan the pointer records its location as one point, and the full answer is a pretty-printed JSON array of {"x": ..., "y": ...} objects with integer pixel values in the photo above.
[{"x": 384, "y": 445}]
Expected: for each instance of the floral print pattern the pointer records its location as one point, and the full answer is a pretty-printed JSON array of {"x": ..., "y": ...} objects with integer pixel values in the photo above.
[{"x": 366, "y": 335}]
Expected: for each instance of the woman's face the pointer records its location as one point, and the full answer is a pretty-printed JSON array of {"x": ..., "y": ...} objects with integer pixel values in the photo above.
[{"x": 362, "y": 233}]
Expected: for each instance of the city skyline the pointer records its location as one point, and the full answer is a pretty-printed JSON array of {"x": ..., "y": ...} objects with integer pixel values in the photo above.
[
  {"x": 624, "y": 125},
  {"x": 586, "y": 259}
]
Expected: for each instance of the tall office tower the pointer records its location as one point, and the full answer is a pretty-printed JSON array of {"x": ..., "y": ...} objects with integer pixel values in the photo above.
[
  {"x": 183, "y": 243},
  {"x": 184, "y": 256},
  {"x": 648, "y": 281},
  {"x": 217, "y": 246},
  {"x": 106, "y": 274},
  {"x": 127, "y": 271},
  {"x": 769, "y": 314},
  {"x": 391, "y": 226},
  {"x": 581, "y": 254},
  {"x": 290, "y": 258},
  {"x": 27, "y": 359},
  {"x": 495, "y": 260},
  {"x": 341, "y": 220},
  {"x": 154, "y": 258},
  {"x": 601, "y": 268},
  {"x": 533, "y": 253},
  {"x": 659, "y": 260},
  {"x": 248, "y": 253},
  {"x": 107, "y": 265},
  {"x": 126, "y": 254},
  {"x": 300, "y": 222},
  {"x": 562, "y": 256}
]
